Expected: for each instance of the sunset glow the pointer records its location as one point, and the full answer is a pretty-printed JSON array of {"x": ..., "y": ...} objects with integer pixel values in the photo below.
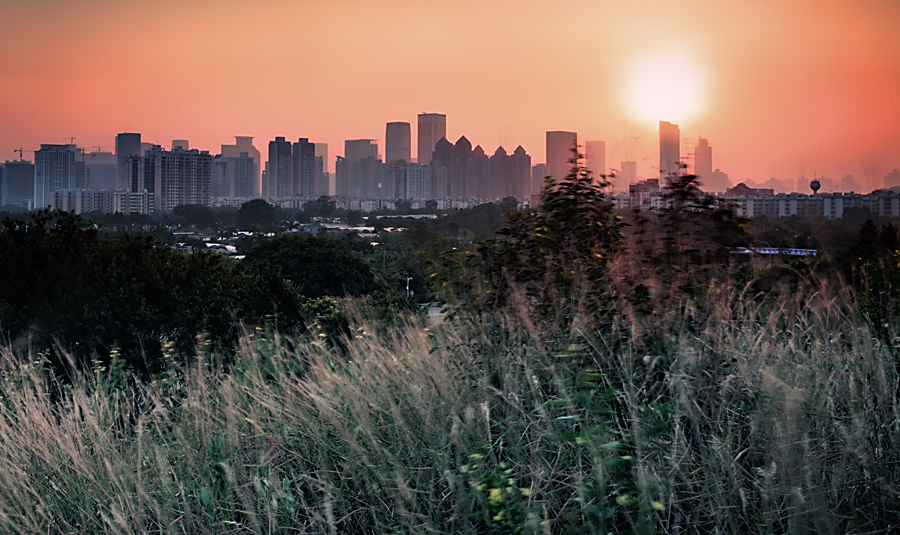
[
  {"x": 666, "y": 86},
  {"x": 780, "y": 89}
]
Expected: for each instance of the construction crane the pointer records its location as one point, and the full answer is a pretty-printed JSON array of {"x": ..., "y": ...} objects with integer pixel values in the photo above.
[
  {"x": 99, "y": 147},
  {"x": 71, "y": 139},
  {"x": 20, "y": 153}
]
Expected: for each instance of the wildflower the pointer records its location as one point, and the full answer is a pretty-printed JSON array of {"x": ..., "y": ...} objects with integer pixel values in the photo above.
[
  {"x": 496, "y": 496},
  {"x": 525, "y": 491},
  {"x": 498, "y": 517},
  {"x": 657, "y": 505}
]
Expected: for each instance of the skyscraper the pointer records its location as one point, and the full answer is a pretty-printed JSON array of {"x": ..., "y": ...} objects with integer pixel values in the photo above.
[
  {"x": 127, "y": 144},
  {"x": 432, "y": 127},
  {"x": 243, "y": 144},
  {"x": 279, "y": 170},
  {"x": 560, "y": 147},
  {"x": 322, "y": 170},
  {"x": 304, "y": 169},
  {"x": 54, "y": 169},
  {"x": 397, "y": 142},
  {"x": 669, "y": 151},
  {"x": 18, "y": 183},
  {"x": 595, "y": 156},
  {"x": 174, "y": 178},
  {"x": 703, "y": 165},
  {"x": 360, "y": 174}
]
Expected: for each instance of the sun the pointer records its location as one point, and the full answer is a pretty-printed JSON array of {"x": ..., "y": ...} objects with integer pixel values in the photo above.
[{"x": 666, "y": 86}]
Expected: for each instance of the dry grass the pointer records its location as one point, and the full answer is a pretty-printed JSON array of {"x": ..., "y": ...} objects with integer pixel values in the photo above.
[{"x": 774, "y": 415}]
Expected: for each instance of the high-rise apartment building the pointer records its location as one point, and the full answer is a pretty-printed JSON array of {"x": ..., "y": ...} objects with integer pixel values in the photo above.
[
  {"x": 101, "y": 169},
  {"x": 561, "y": 147},
  {"x": 397, "y": 142},
  {"x": 174, "y": 178},
  {"x": 17, "y": 183},
  {"x": 322, "y": 169},
  {"x": 595, "y": 157},
  {"x": 360, "y": 174},
  {"x": 628, "y": 174},
  {"x": 304, "y": 169},
  {"x": 280, "y": 169},
  {"x": 127, "y": 145},
  {"x": 432, "y": 127},
  {"x": 246, "y": 171},
  {"x": 669, "y": 150},
  {"x": 231, "y": 152},
  {"x": 54, "y": 169},
  {"x": 703, "y": 166}
]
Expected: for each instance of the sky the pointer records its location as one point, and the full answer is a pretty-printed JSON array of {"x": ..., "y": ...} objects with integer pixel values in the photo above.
[{"x": 779, "y": 88}]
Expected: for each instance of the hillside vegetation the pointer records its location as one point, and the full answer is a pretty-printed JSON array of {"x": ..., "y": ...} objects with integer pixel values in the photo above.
[{"x": 591, "y": 377}]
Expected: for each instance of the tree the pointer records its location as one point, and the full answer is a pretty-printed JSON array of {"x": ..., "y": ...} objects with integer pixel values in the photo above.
[
  {"x": 257, "y": 215},
  {"x": 316, "y": 267}
]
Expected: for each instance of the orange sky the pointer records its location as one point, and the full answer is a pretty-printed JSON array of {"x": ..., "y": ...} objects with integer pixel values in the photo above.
[{"x": 790, "y": 84}]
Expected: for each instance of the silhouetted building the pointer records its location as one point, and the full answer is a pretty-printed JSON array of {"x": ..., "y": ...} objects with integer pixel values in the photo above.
[
  {"x": 360, "y": 174},
  {"x": 304, "y": 172},
  {"x": 892, "y": 179},
  {"x": 127, "y": 145},
  {"x": 17, "y": 183},
  {"x": 595, "y": 157},
  {"x": 628, "y": 174},
  {"x": 539, "y": 174},
  {"x": 245, "y": 176},
  {"x": 561, "y": 147},
  {"x": 397, "y": 142},
  {"x": 279, "y": 169},
  {"x": 669, "y": 150},
  {"x": 173, "y": 177},
  {"x": 182, "y": 144},
  {"x": 718, "y": 182},
  {"x": 432, "y": 127},
  {"x": 411, "y": 181},
  {"x": 101, "y": 169},
  {"x": 322, "y": 169},
  {"x": 54, "y": 169},
  {"x": 243, "y": 144},
  {"x": 703, "y": 165}
]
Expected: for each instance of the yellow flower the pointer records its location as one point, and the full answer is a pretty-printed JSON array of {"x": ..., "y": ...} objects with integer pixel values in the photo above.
[
  {"x": 658, "y": 505},
  {"x": 525, "y": 491},
  {"x": 496, "y": 497},
  {"x": 498, "y": 517}
]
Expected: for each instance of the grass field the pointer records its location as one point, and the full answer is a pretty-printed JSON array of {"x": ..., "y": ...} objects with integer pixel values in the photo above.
[{"x": 750, "y": 414}]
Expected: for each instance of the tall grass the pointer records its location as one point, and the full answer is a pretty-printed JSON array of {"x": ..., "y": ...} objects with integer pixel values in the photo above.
[{"x": 752, "y": 415}]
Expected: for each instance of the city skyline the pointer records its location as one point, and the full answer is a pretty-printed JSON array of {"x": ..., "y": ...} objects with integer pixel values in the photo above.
[{"x": 780, "y": 89}]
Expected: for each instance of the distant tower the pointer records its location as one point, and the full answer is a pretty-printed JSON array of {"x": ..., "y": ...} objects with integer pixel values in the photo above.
[
  {"x": 54, "y": 169},
  {"x": 669, "y": 151},
  {"x": 232, "y": 152},
  {"x": 703, "y": 164},
  {"x": 432, "y": 127},
  {"x": 628, "y": 174},
  {"x": 595, "y": 154},
  {"x": 560, "y": 145},
  {"x": 304, "y": 169},
  {"x": 279, "y": 171},
  {"x": 814, "y": 186},
  {"x": 397, "y": 142},
  {"x": 181, "y": 144},
  {"x": 127, "y": 144},
  {"x": 892, "y": 179}
]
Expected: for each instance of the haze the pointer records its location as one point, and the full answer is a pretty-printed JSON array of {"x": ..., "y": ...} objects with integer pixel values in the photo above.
[{"x": 786, "y": 88}]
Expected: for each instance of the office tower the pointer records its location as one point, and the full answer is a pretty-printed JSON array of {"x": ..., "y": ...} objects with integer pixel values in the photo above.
[
  {"x": 175, "y": 178},
  {"x": 101, "y": 169},
  {"x": 127, "y": 144},
  {"x": 221, "y": 186},
  {"x": 595, "y": 157},
  {"x": 180, "y": 144},
  {"x": 243, "y": 144},
  {"x": 18, "y": 179},
  {"x": 892, "y": 179},
  {"x": 628, "y": 174},
  {"x": 432, "y": 127},
  {"x": 304, "y": 169},
  {"x": 54, "y": 169},
  {"x": 397, "y": 142},
  {"x": 561, "y": 147},
  {"x": 279, "y": 169},
  {"x": 703, "y": 165},
  {"x": 669, "y": 150}
]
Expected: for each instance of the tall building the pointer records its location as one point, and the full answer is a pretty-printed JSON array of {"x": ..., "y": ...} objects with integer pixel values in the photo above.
[
  {"x": 595, "y": 157},
  {"x": 628, "y": 174},
  {"x": 397, "y": 142},
  {"x": 246, "y": 171},
  {"x": 101, "y": 169},
  {"x": 182, "y": 144},
  {"x": 17, "y": 187},
  {"x": 242, "y": 144},
  {"x": 323, "y": 170},
  {"x": 432, "y": 127},
  {"x": 360, "y": 174},
  {"x": 703, "y": 167},
  {"x": 718, "y": 181},
  {"x": 561, "y": 147},
  {"x": 174, "y": 178},
  {"x": 54, "y": 169},
  {"x": 127, "y": 145},
  {"x": 669, "y": 150},
  {"x": 279, "y": 169},
  {"x": 304, "y": 169}
]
